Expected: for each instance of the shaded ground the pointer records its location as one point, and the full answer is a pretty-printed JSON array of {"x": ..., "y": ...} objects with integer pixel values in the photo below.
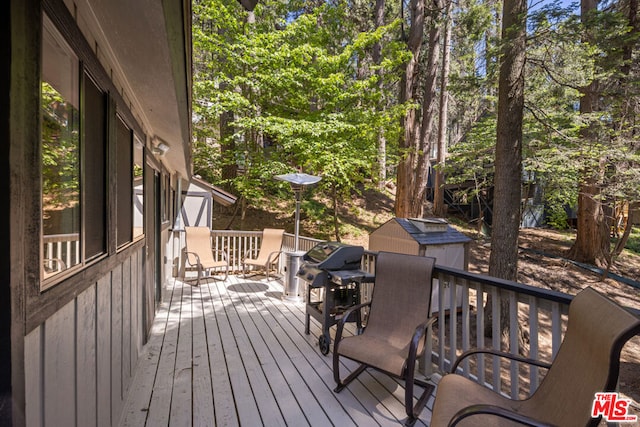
[{"x": 541, "y": 259}]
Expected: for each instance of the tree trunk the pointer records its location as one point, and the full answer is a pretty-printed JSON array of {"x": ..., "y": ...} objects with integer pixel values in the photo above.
[
  {"x": 381, "y": 161},
  {"x": 503, "y": 262},
  {"x": 439, "y": 208},
  {"x": 408, "y": 85},
  {"x": 508, "y": 157},
  {"x": 592, "y": 236},
  {"x": 429, "y": 110},
  {"x": 336, "y": 223},
  {"x": 622, "y": 242},
  {"x": 227, "y": 147}
]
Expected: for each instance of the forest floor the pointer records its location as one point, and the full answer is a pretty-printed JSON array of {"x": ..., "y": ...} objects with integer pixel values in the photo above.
[{"x": 541, "y": 261}]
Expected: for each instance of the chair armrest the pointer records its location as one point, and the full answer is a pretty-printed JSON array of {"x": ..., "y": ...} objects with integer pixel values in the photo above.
[
  {"x": 415, "y": 340},
  {"x": 269, "y": 261},
  {"x": 498, "y": 353},
  {"x": 497, "y": 411},
  {"x": 194, "y": 254},
  {"x": 343, "y": 320},
  {"x": 54, "y": 264}
]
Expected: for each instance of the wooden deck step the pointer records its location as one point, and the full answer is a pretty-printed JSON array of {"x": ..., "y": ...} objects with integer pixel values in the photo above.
[{"x": 234, "y": 353}]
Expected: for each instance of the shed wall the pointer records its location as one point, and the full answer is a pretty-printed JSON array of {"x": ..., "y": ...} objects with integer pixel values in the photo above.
[{"x": 391, "y": 237}]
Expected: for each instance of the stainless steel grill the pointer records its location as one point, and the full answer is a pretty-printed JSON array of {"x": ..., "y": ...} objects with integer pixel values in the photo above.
[{"x": 333, "y": 275}]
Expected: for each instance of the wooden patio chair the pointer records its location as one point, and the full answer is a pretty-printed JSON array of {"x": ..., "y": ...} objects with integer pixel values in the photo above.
[
  {"x": 587, "y": 362},
  {"x": 395, "y": 333},
  {"x": 268, "y": 254},
  {"x": 199, "y": 253}
]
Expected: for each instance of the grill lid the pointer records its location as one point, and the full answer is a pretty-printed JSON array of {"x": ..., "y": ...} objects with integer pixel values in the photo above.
[{"x": 334, "y": 256}]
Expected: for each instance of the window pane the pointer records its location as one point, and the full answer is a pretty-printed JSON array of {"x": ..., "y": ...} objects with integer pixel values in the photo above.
[
  {"x": 60, "y": 153},
  {"x": 94, "y": 187},
  {"x": 124, "y": 197},
  {"x": 138, "y": 188}
]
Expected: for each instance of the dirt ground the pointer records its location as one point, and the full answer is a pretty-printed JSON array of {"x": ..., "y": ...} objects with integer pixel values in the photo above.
[
  {"x": 541, "y": 261},
  {"x": 561, "y": 275}
]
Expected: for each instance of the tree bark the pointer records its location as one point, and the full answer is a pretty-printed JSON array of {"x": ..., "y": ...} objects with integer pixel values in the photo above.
[
  {"x": 592, "y": 235},
  {"x": 508, "y": 157},
  {"x": 408, "y": 85},
  {"x": 381, "y": 164},
  {"x": 429, "y": 111},
  {"x": 439, "y": 208},
  {"x": 503, "y": 261}
]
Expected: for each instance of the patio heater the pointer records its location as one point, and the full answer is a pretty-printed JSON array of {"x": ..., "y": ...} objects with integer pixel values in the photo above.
[{"x": 298, "y": 182}]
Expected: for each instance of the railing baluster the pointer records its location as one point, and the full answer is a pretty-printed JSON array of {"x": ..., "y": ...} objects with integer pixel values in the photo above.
[
  {"x": 514, "y": 343},
  {"x": 496, "y": 332},
  {"x": 466, "y": 323},
  {"x": 556, "y": 328},
  {"x": 441, "y": 325},
  {"x": 533, "y": 343},
  {"x": 453, "y": 320},
  {"x": 480, "y": 332}
]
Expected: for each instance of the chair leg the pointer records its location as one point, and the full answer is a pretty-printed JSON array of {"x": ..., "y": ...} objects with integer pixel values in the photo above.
[
  {"x": 413, "y": 411},
  {"x": 341, "y": 384},
  {"x": 199, "y": 274}
]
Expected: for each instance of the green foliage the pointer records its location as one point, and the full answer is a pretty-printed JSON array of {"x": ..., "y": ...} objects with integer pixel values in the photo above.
[
  {"x": 301, "y": 92},
  {"x": 633, "y": 244},
  {"x": 60, "y": 150},
  {"x": 293, "y": 84}
]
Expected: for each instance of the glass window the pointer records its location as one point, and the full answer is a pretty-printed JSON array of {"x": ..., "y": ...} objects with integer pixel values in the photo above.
[
  {"x": 138, "y": 188},
  {"x": 60, "y": 121},
  {"x": 124, "y": 167},
  {"x": 94, "y": 183}
]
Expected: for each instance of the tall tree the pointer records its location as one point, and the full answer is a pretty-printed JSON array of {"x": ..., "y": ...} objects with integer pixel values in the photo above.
[
  {"x": 409, "y": 121},
  {"x": 427, "y": 126},
  {"x": 592, "y": 237},
  {"x": 381, "y": 163},
  {"x": 503, "y": 262},
  {"x": 439, "y": 208}
]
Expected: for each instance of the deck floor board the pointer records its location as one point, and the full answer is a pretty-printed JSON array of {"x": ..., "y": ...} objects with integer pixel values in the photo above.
[{"x": 234, "y": 353}]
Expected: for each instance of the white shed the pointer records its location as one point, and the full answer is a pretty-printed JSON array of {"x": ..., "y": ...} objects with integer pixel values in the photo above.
[
  {"x": 432, "y": 237},
  {"x": 196, "y": 211},
  {"x": 197, "y": 203}
]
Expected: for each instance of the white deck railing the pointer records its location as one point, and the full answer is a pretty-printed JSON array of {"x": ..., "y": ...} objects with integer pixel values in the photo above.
[
  {"x": 237, "y": 244},
  {"x": 61, "y": 247},
  {"x": 539, "y": 315}
]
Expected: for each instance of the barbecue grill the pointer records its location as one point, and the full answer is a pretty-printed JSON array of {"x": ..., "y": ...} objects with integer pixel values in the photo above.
[{"x": 333, "y": 275}]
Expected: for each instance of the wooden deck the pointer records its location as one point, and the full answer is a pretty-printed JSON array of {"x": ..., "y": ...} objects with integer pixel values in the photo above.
[{"x": 234, "y": 353}]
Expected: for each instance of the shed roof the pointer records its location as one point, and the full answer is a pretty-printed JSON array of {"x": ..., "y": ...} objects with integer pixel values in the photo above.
[
  {"x": 219, "y": 195},
  {"x": 447, "y": 236}
]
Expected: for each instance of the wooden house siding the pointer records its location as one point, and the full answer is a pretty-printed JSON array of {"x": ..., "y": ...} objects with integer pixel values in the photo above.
[
  {"x": 72, "y": 341},
  {"x": 79, "y": 363}
]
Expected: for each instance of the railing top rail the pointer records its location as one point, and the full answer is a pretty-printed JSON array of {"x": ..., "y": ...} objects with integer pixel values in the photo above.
[
  {"x": 508, "y": 285},
  {"x": 70, "y": 237}
]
